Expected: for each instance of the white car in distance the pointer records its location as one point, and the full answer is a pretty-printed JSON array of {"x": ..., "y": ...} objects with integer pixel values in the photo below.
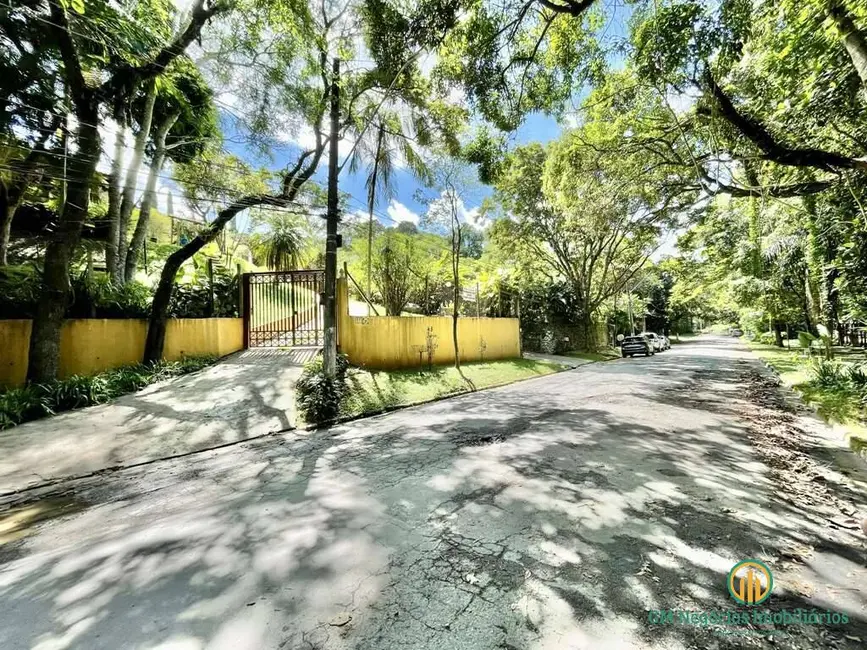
[{"x": 656, "y": 341}]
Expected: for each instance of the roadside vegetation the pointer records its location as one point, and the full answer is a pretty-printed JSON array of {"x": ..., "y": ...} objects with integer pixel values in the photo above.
[
  {"x": 366, "y": 392},
  {"x": 34, "y": 401},
  {"x": 604, "y": 354},
  {"x": 837, "y": 387}
]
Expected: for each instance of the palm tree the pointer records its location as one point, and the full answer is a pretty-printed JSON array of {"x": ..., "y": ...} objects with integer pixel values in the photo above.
[
  {"x": 282, "y": 247},
  {"x": 380, "y": 147}
]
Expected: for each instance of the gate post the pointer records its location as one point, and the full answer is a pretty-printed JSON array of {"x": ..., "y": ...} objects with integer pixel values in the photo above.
[{"x": 245, "y": 307}]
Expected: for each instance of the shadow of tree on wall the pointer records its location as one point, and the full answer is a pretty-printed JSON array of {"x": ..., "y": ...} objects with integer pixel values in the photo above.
[{"x": 517, "y": 518}]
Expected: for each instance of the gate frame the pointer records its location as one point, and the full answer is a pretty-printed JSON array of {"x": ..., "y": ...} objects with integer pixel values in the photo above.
[{"x": 247, "y": 301}]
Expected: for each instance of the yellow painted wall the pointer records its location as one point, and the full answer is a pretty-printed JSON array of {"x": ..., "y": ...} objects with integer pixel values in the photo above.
[
  {"x": 14, "y": 342},
  {"x": 190, "y": 337},
  {"x": 89, "y": 346},
  {"x": 387, "y": 342}
]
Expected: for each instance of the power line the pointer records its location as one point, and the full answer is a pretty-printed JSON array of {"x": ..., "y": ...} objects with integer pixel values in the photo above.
[
  {"x": 201, "y": 185},
  {"x": 308, "y": 211}
]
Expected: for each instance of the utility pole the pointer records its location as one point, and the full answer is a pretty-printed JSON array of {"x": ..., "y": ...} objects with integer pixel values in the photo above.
[{"x": 329, "y": 353}]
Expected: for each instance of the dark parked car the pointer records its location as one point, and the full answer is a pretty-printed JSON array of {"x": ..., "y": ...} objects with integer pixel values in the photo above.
[{"x": 633, "y": 345}]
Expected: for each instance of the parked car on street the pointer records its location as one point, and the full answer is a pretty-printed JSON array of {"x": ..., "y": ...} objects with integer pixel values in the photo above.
[
  {"x": 666, "y": 342},
  {"x": 655, "y": 341},
  {"x": 638, "y": 344}
]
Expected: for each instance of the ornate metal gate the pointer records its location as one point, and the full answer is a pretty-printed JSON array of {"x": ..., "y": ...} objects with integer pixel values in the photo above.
[{"x": 283, "y": 308}]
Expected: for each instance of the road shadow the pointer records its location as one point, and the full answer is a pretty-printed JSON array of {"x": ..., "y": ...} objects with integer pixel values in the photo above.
[
  {"x": 245, "y": 395},
  {"x": 549, "y": 514}
]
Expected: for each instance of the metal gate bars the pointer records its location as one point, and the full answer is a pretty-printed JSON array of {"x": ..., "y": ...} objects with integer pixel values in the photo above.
[{"x": 283, "y": 308}]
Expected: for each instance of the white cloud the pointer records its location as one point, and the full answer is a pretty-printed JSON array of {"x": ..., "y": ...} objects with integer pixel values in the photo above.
[
  {"x": 399, "y": 212},
  {"x": 471, "y": 216},
  {"x": 681, "y": 102},
  {"x": 475, "y": 218}
]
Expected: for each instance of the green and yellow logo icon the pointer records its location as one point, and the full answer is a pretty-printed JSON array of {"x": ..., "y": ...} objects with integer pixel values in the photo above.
[{"x": 750, "y": 582}]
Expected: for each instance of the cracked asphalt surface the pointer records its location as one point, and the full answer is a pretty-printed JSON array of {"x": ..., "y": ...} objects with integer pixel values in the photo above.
[{"x": 550, "y": 514}]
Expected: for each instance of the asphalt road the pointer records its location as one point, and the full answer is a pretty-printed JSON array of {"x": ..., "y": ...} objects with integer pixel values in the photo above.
[{"x": 550, "y": 514}]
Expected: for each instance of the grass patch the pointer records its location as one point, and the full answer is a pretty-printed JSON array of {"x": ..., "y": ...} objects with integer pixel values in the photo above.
[
  {"x": 598, "y": 355},
  {"x": 18, "y": 405},
  {"x": 826, "y": 386},
  {"x": 376, "y": 391},
  {"x": 682, "y": 338}
]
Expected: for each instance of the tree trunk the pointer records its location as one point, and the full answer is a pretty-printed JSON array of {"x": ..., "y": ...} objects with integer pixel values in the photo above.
[
  {"x": 778, "y": 334},
  {"x": 148, "y": 199},
  {"x": 292, "y": 183},
  {"x": 48, "y": 319},
  {"x": 156, "y": 336},
  {"x": 815, "y": 262},
  {"x": 7, "y": 210},
  {"x": 832, "y": 297},
  {"x": 808, "y": 319},
  {"x": 854, "y": 41},
  {"x": 588, "y": 331},
  {"x": 114, "y": 198},
  {"x": 128, "y": 199},
  {"x": 371, "y": 203},
  {"x": 24, "y": 173}
]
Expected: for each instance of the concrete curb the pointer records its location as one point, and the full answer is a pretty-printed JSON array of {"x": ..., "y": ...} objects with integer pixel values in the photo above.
[
  {"x": 9, "y": 496},
  {"x": 438, "y": 398}
]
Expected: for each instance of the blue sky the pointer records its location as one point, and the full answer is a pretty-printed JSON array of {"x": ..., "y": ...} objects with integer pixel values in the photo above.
[{"x": 404, "y": 205}]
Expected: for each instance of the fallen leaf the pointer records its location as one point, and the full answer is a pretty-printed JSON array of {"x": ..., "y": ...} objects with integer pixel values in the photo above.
[{"x": 473, "y": 580}]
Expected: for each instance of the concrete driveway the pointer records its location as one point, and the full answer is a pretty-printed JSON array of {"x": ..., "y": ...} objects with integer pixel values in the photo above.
[
  {"x": 550, "y": 514},
  {"x": 243, "y": 396}
]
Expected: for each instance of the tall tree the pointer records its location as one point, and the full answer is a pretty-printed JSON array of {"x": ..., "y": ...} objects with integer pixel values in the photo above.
[
  {"x": 451, "y": 178},
  {"x": 586, "y": 218},
  {"x": 384, "y": 142},
  {"x": 184, "y": 107},
  {"x": 299, "y": 93},
  {"x": 129, "y": 193},
  {"x": 89, "y": 90}
]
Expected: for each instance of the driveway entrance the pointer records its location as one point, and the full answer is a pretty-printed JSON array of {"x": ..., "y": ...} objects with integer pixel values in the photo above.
[{"x": 283, "y": 309}]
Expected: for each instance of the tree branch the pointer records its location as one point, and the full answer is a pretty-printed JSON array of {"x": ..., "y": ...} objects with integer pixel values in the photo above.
[
  {"x": 129, "y": 76},
  {"x": 68, "y": 52},
  {"x": 570, "y": 7},
  {"x": 772, "y": 148},
  {"x": 715, "y": 186}
]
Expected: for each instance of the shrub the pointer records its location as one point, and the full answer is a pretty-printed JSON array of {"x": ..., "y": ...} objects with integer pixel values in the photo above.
[
  {"x": 22, "y": 404},
  {"x": 768, "y": 338},
  {"x": 19, "y": 405},
  {"x": 857, "y": 375},
  {"x": 319, "y": 397},
  {"x": 97, "y": 297},
  {"x": 19, "y": 291},
  {"x": 828, "y": 374},
  {"x": 193, "y": 299},
  {"x": 805, "y": 340},
  {"x": 92, "y": 296}
]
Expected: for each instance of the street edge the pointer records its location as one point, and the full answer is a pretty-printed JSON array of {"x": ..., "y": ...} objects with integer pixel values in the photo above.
[
  {"x": 792, "y": 394},
  {"x": 439, "y": 398}
]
